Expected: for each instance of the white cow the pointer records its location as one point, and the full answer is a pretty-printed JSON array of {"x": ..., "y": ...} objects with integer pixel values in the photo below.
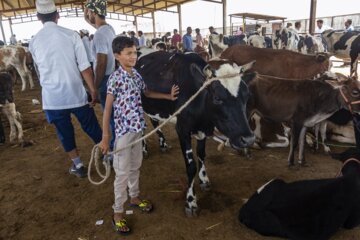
[
  {"x": 15, "y": 56},
  {"x": 256, "y": 41}
]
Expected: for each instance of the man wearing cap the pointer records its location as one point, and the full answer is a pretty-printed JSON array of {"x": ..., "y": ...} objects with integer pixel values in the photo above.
[
  {"x": 104, "y": 61},
  {"x": 61, "y": 60},
  {"x": 84, "y": 34}
]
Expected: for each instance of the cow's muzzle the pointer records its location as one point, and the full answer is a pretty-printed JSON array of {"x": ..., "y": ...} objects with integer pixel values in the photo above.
[{"x": 242, "y": 142}]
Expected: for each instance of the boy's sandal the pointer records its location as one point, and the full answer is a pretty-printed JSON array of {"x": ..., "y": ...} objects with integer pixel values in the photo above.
[
  {"x": 144, "y": 206},
  {"x": 120, "y": 225}
]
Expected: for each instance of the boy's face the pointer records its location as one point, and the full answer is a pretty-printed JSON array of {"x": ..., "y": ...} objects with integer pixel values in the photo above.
[{"x": 127, "y": 57}]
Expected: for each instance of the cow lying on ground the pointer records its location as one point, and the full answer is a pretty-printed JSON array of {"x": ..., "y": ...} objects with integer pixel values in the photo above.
[
  {"x": 302, "y": 103},
  {"x": 15, "y": 56},
  {"x": 308, "y": 209},
  {"x": 222, "y": 105},
  {"x": 8, "y": 108},
  {"x": 279, "y": 63},
  {"x": 345, "y": 45}
]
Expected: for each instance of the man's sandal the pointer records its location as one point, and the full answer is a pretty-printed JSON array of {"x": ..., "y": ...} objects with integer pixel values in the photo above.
[
  {"x": 119, "y": 225},
  {"x": 144, "y": 206}
]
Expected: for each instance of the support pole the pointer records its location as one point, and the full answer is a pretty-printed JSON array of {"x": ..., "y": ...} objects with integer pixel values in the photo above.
[
  {"x": 224, "y": 16},
  {"x": 11, "y": 29},
  {"x": 153, "y": 19},
  {"x": 180, "y": 19},
  {"x": 2, "y": 29},
  {"x": 312, "y": 16},
  {"x": 136, "y": 24}
]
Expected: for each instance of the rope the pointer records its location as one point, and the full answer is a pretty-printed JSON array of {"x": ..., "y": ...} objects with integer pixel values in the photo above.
[
  {"x": 330, "y": 144},
  {"x": 95, "y": 153}
]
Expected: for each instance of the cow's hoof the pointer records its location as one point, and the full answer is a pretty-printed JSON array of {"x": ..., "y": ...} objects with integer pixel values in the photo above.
[
  {"x": 192, "y": 212},
  {"x": 205, "y": 186},
  {"x": 145, "y": 154},
  {"x": 292, "y": 166},
  {"x": 304, "y": 164},
  {"x": 25, "y": 144}
]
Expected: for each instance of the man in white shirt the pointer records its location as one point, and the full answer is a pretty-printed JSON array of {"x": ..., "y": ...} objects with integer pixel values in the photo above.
[
  {"x": 13, "y": 40},
  {"x": 320, "y": 26},
  {"x": 142, "y": 39},
  {"x": 61, "y": 60},
  {"x": 348, "y": 26},
  {"x": 104, "y": 60},
  {"x": 84, "y": 34}
]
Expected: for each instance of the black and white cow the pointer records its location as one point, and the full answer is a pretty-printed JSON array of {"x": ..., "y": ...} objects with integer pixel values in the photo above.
[
  {"x": 308, "y": 209},
  {"x": 286, "y": 38},
  {"x": 309, "y": 44},
  {"x": 222, "y": 105},
  {"x": 8, "y": 108},
  {"x": 218, "y": 43},
  {"x": 345, "y": 45}
]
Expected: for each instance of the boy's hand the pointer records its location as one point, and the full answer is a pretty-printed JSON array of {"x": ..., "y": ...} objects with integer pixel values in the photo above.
[
  {"x": 174, "y": 92},
  {"x": 104, "y": 145}
]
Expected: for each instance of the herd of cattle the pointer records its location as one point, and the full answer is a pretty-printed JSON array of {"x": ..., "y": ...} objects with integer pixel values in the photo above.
[{"x": 261, "y": 95}]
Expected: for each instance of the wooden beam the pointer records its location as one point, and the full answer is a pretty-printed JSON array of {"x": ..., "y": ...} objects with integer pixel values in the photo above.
[
  {"x": 312, "y": 16},
  {"x": 2, "y": 30}
]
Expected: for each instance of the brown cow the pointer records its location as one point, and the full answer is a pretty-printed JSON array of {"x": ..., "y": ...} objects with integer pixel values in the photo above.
[
  {"x": 15, "y": 57},
  {"x": 202, "y": 52},
  {"x": 301, "y": 103},
  {"x": 279, "y": 63}
]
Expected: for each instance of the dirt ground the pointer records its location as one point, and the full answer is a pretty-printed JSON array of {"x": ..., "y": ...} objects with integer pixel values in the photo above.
[{"x": 40, "y": 200}]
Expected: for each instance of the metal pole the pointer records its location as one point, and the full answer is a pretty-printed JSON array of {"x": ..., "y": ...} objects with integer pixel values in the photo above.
[
  {"x": 153, "y": 19},
  {"x": 312, "y": 16},
  {"x": 2, "y": 30},
  {"x": 136, "y": 24},
  {"x": 224, "y": 16},
  {"x": 10, "y": 24},
  {"x": 180, "y": 19}
]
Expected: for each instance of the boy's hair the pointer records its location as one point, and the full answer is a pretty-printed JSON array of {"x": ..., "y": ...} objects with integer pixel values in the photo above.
[
  {"x": 349, "y": 21},
  {"x": 297, "y": 24},
  {"x": 49, "y": 17},
  {"x": 121, "y": 42},
  {"x": 320, "y": 21}
]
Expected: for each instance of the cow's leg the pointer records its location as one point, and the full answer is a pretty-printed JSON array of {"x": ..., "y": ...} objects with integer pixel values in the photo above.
[
  {"x": 14, "y": 119},
  {"x": 203, "y": 177},
  {"x": 162, "y": 141},
  {"x": 24, "y": 76},
  {"x": 295, "y": 132},
  {"x": 323, "y": 126},
  {"x": 191, "y": 208},
  {"x": 2, "y": 133},
  {"x": 301, "y": 146},
  {"x": 354, "y": 63},
  {"x": 317, "y": 130},
  {"x": 6, "y": 111}
]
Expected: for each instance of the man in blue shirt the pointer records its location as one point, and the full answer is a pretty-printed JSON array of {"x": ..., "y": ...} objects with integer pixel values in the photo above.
[{"x": 187, "y": 40}]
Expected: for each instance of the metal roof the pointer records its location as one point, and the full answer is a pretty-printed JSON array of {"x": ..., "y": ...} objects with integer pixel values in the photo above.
[
  {"x": 257, "y": 16},
  {"x": 13, "y": 8}
]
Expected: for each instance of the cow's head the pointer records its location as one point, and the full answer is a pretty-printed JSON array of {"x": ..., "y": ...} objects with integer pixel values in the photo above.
[
  {"x": 226, "y": 101},
  {"x": 217, "y": 45},
  {"x": 350, "y": 93}
]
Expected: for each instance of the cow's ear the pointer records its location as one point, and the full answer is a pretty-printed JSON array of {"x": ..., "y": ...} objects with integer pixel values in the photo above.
[
  {"x": 334, "y": 83},
  {"x": 247, "y": 66},
  {"x": 196, "y": 73}
]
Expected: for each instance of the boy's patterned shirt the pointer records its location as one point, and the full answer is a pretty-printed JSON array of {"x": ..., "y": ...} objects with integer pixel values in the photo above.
[{"x": 128, "y": 111}]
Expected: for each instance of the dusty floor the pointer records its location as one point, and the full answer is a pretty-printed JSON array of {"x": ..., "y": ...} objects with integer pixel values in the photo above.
[{"x": 40, "y": 200}]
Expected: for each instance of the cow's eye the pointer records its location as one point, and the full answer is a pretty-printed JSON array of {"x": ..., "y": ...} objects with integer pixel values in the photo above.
[
  {"x": 355, "y": 93},
  {"x": 217, "y": 100}
]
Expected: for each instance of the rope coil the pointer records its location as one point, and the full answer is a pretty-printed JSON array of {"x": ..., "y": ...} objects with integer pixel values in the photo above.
[{"x": 95, "y": 153}]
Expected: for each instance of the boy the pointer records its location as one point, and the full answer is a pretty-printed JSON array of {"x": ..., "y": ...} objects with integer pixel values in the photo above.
[{"x": 124, "y": 95}]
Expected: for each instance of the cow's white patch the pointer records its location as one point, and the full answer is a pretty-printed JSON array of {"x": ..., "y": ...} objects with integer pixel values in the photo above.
[
  {"x": 285, "y": 142},
  {"x": 232, "y": 83},
  {"x": 157, "y": 117},
  {"x": 200, "y": 135},
  {"x": 145, "y": 51},
  {"x": 190, "y": 193},
  {"x": 263, "y": 186}
]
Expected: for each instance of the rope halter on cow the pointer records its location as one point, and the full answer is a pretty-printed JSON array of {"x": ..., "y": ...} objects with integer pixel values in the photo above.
[
  {"x": 348, "y": 103},
  {"x": 96, "y": 152}
]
